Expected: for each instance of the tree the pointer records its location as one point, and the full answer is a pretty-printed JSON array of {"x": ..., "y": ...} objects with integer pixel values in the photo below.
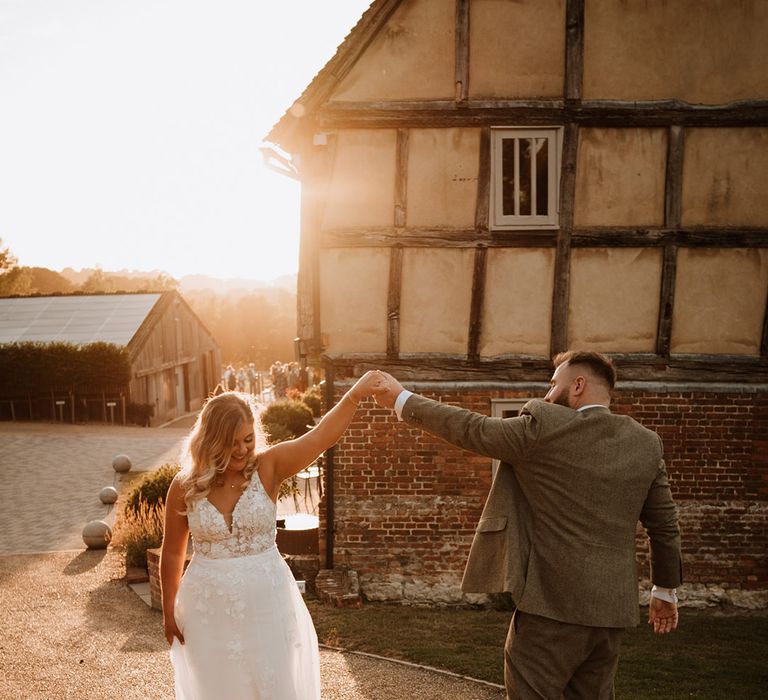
[
  {"x": 13, "y": 279},
  {"x": 7, "y": 259}
]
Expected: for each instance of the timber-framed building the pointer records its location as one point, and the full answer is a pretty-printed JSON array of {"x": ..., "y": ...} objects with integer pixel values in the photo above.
[{"x": 486, "y": 183}]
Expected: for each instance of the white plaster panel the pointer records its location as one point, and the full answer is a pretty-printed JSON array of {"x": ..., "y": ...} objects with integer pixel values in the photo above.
[
  {"x": 353, "y": 299},
  {"x": 435, "y": 300},
  {"x": 412, "y": 57},
  {"x": 699, "y": 51},
  {"x": 725, "y": 172},
  {"x": 361, "y": 191},
  {"x": 720, "y": 297},
  {"x": 517, "y": 309},
  {"x": 620, "y": 177},
  {"x": 442, "y": 177},
  {"x": 614, "y": 299},
  {"x": 516, "y": 49}
]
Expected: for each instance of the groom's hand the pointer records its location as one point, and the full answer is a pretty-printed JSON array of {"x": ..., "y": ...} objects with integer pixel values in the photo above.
[
  {"x": 662, "y": 615},
  {"x": 389, "y": 390}
]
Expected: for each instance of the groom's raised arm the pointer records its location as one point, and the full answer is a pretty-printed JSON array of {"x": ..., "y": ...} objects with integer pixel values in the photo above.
[{"x": 507, "y": 439}]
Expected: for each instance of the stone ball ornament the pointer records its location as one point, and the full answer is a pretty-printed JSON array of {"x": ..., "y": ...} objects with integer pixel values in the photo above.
[
  {"x": 122, "y": 464},
  {"x": 108, "y": 495},
  {"x": 97, "y": 534}
]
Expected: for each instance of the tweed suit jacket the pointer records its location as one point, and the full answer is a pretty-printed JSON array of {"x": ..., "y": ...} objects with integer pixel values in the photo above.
[{"x": 558, "y": 527}]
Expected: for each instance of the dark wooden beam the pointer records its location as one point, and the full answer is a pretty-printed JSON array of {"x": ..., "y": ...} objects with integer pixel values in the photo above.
[
  {"x": 673, "y": 197},
  {"x": 435, "y": 237},
  {"x": 476, "y": 307},
  {"x": 480, "y": 113},
  {"x": 393, "y": 302},
  {"x": 401, "y": 178},
  {"x": 574, "y": 49},
  {"x": 666, "y": 300},
  {"x": 651, "y": 368},
  {"x": 673, "y": 190},
  {"x": 688, "y": 237},
  {"x": 764, "y": 341},
  {"x": 462, "y": 50},
  {"x": 562, "y": 283},
  {"x": 420, "y": 237},
  {"x": 483, "y": 181},
  {"x": 323, "y": 174}
]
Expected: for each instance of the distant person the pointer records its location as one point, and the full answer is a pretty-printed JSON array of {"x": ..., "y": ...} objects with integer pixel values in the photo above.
[
  {"x": 253, "y": 379},
  {"x": 235, "y": 622},
  {"x": 558, "y": 528},
  {"x": 230, "y": 378}
]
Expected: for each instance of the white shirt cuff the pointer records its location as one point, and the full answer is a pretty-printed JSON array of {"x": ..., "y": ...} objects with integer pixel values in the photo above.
[
  {"x": 402, "y": 397},
  {"x": 667, "y": 594}
]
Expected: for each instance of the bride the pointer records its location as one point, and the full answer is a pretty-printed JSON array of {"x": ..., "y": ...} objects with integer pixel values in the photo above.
[{"x": 236, "y": 622}]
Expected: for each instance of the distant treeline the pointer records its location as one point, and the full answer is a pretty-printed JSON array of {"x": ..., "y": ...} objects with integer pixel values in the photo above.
[{"x": 258, "y": 327}]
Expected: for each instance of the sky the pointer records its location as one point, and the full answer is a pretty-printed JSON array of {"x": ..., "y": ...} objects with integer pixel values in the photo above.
[{"x": 130, "y": 130}]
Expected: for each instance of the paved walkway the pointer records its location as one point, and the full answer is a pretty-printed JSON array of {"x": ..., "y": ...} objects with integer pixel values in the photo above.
[
  {"x": 52, "y": 475},
  {"x": 71, "y": 626}
]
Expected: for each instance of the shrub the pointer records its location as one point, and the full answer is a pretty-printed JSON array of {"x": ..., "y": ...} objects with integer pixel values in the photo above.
[
  {"x": 285, "y": 420},
  {"x": 152, "y": 489},
  {"x": 311, "y": 397},
  {"x": 139, "y": 529}
]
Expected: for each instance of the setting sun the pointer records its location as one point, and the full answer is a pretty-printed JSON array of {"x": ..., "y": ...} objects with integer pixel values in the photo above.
[{"x": 130, "y": 132}]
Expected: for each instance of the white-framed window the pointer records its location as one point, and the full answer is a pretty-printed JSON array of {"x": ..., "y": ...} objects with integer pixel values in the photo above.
[
  {"x": 505, "y": 408},
  {"x": 525, "y": 178}
]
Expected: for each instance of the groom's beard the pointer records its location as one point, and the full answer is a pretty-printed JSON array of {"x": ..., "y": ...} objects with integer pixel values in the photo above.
[{"x": 562, "y": 398}]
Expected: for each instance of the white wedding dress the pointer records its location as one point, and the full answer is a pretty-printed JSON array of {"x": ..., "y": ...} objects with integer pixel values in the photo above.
[{"x": 247, "y": 633}]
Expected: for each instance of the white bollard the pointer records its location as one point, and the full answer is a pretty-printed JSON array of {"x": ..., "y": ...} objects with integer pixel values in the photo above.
[
  {"x": 97, "y": 534},
  {"x": 108, "y": 495},
  {"x": 122, "y": 464}
]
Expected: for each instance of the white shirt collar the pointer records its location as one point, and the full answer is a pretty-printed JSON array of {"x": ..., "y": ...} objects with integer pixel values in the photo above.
[{"x": 592, "y": 405}]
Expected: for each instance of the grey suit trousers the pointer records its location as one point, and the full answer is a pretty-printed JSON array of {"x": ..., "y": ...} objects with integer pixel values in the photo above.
[{"x": 547, "y": 660}]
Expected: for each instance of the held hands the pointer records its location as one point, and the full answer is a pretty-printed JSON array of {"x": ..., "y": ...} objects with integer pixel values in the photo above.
[
  {"x": 368, "y": 385},
  {"x": 384, "y": 387},
  {"x": 662, "y": 615},
  {"x": 389, "y": 390}
]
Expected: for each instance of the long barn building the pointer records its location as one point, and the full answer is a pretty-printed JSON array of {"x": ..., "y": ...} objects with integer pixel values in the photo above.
[
  {"x": 487, "y": 183},
  {"x": 175, "y": 361}
]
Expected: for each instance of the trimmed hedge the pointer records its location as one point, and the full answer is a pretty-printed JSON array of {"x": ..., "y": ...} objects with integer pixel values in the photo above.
[
  {"x": 285, "y": 420},
  {"x": 38, "y": 367}
]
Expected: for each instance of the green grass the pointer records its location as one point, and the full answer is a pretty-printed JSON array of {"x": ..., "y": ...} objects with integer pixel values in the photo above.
[{"x": 711, "y": 656}]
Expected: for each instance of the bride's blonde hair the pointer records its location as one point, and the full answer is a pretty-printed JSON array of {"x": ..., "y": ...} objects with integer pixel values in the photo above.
[{"x": 208, "y": 446}]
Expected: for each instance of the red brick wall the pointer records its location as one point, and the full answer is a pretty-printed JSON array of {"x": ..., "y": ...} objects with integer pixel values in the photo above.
[{"x": 406, "y": 503}]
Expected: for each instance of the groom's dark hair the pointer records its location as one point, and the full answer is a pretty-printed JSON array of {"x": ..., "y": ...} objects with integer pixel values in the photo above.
[{"x": 600, "y": 364}]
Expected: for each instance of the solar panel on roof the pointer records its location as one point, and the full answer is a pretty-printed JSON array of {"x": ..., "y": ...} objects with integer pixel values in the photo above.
[{"x": 81, "y": 320}]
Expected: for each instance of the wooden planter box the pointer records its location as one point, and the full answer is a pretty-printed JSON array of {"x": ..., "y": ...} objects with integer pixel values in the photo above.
[{"x": 298, "y": 541}]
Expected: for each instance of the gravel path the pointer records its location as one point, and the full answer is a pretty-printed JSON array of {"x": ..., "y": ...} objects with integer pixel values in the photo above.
[
  {"x": 72, "y": 628},
  {"x": 69, "y": 625}
]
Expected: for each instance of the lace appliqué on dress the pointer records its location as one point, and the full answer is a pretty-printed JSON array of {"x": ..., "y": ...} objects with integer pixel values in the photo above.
[{"x": 253, "y": 525}]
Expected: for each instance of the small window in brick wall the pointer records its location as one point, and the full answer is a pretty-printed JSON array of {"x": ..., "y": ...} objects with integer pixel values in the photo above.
[
  {"x": 504, "y": 408},
  {"x": 525, "y": 178}
]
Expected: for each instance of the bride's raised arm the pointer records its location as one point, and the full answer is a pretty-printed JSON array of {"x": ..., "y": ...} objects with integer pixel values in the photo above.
[{"x": 287, "y": 458}]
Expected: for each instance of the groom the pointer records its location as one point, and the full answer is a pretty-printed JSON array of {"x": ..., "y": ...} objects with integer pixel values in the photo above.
[{"x": 558, "y": 528}]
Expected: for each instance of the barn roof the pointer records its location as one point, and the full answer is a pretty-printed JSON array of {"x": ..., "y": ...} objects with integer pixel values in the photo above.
[
  {"x": 322, "y": 85},
  {"x": 80, "y": 319}
]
